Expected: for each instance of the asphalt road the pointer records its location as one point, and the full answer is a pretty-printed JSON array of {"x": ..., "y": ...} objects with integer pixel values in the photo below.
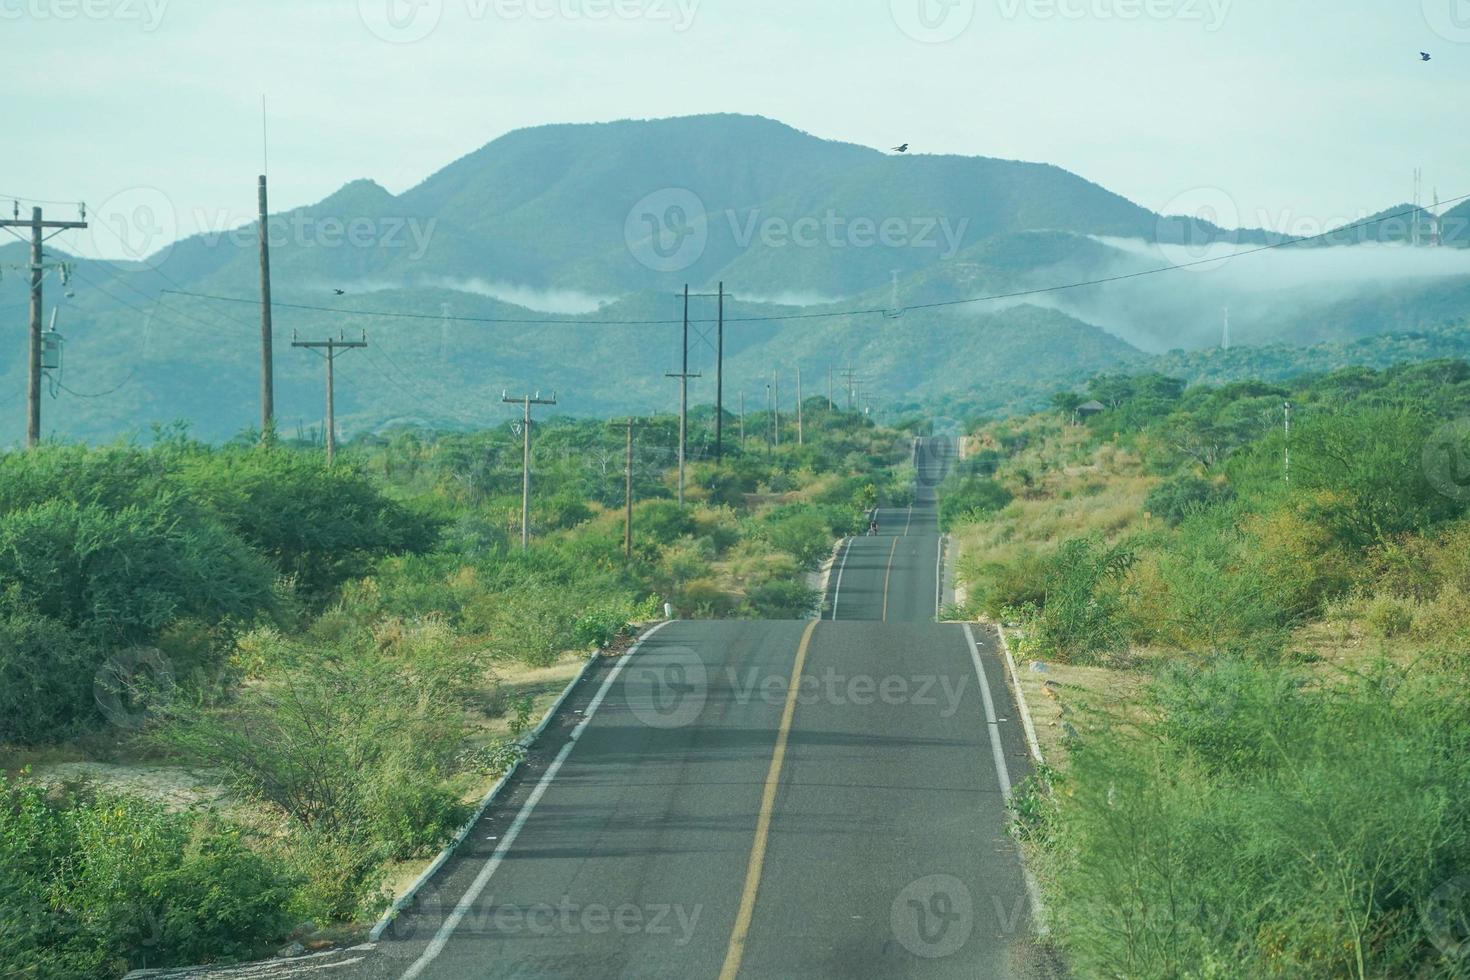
[{"x": 755, "y": 799}]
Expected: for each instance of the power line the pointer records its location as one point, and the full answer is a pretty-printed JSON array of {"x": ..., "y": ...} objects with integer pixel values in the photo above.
[
  {"x": 100, "y": 394},
  {"x": 869, "y": 311},
  {"x": 34, "y": 200}
]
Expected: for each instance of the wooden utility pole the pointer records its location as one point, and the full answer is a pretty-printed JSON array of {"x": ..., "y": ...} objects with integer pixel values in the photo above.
[
  {"x": 683, "y": 377},
  {"x": 526, "y": 402},
  {"x": 742, "y": 421},
  {"x": 267, "y": 357},
  {"x": 831, "y": 405},
  {"x": 332, "y": 346},
  {"x": 37, "y": 225},
  {"x": 776, "y": 404},
  {"x": 720, "y": 380},
  {"x": 630, "y": 424},
  {"x": 800, "y": 433}
]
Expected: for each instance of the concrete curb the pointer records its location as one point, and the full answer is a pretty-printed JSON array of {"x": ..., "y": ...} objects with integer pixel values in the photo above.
[
  {"x": 525, "y": 742},
  {"x": 824, "y": 579},
  {"x": 1026, "y": 721}
]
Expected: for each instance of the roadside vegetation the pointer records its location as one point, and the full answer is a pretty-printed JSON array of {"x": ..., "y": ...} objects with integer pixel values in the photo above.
[
  {"x": 1255, "y": 675},
  {"x": 337, "y": 655}
]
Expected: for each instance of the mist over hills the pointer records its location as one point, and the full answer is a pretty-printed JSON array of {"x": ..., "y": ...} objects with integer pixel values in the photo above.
[{"x": 607, "y": 222}]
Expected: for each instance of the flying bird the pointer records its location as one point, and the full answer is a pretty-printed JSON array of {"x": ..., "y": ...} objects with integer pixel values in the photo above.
[
  {"x": 340, "y": 292},
  {"x": 901, "y": 149},
  {"x": 1423, "y": 55}
]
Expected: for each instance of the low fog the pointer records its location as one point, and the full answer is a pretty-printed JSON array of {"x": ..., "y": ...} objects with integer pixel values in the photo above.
[{"x": 1292, "y": 294}]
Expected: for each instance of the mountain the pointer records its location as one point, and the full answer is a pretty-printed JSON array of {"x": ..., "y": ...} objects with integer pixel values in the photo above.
[{"x": 603, "y": 224}]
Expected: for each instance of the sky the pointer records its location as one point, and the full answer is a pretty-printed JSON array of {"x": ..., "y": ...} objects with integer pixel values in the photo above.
[{"x": 1293, "y": 116}]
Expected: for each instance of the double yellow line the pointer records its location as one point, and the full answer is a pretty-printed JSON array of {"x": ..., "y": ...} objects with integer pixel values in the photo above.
[{"x": 736, "y": 950}]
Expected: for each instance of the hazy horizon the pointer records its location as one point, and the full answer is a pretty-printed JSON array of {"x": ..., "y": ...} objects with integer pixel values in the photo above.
[{"x": 1167, "y": 102}]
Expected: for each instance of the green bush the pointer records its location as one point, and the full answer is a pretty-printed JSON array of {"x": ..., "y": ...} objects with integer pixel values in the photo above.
[
  {"x": 1175, "y": 500},
  {"x": 599, "y": 628},
  {"x": 321, "y": 526},
  {"x": 1259, "y": 828},
  {"x": 120, "y": 576},
  {"x": 1083, "y": 612},
  {"x": 96, "y": 887},
  {"x": 969, "y": 500},
  {"x": 782, "y": 600},
  {"x": 46, "y": 678}
]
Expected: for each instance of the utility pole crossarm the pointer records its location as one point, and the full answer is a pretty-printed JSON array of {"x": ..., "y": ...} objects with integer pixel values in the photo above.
[
  {"x": 526, "y": 401},
  {"x": 333, "y": 345},
  {"x": 37, "y": 224}
]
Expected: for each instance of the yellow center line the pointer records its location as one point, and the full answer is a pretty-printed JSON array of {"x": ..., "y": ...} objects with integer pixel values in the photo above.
[
  {"x": 736, "y": 951},
  {"x": 887, "y": 575}
]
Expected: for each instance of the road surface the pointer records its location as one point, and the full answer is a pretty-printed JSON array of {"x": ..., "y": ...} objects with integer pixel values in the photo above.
[{"x": 755, "y": 800}]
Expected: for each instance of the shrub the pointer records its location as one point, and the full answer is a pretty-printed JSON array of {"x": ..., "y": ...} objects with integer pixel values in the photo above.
[
  {"x": 1389, "y": 616},
  {"x": 1175, "y": 500},
  {"x": 1082, "y": 614},
  {"x": 95, "y": 887},
  {"x": 1241, "y": 834},
  {"x": 601, "y": 626},
  {"x": 782, "y": 600},
  {"x": 971, "y": 500},
  {"x": 321, "y": 526},
  {"x": 46, "y": 674}
]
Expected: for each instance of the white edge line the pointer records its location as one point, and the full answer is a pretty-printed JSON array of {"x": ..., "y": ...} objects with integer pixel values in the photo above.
[
  {"x": 837, "y": 592},
  {"x": 1033, "y": 890},
  {"x": 441, "y": 938},
  {"x": 524, "y": 742}
]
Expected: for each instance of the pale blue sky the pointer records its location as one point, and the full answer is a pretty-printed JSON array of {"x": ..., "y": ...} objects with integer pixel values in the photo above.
[{"x": 1300, "y": 114}]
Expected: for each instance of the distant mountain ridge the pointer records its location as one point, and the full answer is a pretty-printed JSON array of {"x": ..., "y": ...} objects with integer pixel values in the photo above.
[{"x": 624, "y": 214}]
